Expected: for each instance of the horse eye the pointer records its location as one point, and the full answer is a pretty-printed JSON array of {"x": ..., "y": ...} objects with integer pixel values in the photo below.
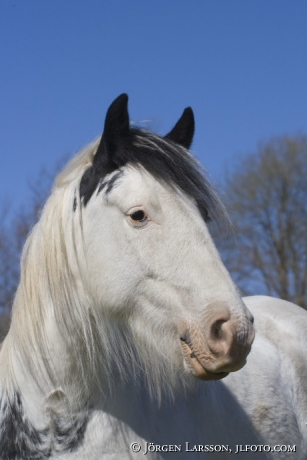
[{"x": 138, "y": 216}]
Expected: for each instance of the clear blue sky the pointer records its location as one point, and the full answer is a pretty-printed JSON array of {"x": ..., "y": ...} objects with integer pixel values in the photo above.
[{"x": 240, "y": 64}]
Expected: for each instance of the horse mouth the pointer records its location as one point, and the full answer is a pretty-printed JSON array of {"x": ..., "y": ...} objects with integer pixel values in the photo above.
[{"x": 195, "y": 366}]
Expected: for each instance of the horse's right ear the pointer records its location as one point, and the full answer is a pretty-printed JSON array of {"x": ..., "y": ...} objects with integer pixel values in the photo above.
[
  {"x": 116, "y": 131},
  {"x": 183, "y": 131}
]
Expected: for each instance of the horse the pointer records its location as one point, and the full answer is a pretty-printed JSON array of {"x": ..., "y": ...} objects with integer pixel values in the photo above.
[{"x": 128, "y": 337}]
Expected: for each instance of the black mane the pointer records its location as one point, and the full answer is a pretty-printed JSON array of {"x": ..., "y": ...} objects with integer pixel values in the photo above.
[{"x": 165, "y": 160}]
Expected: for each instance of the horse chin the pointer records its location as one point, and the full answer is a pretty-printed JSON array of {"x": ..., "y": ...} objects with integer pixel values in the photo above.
[{"x": 197, "y": 369}]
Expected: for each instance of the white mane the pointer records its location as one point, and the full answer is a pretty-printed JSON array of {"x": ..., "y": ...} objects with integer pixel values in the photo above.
[{"x": 50, "y": 291}]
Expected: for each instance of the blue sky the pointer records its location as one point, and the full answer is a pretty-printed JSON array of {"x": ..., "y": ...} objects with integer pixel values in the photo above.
[{"x": 241, "y": 65}]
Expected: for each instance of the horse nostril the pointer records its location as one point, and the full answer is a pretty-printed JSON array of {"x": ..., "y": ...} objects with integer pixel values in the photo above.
[
  {"x": 251, "y": 318},
  {"x": 216, "y": 329}
]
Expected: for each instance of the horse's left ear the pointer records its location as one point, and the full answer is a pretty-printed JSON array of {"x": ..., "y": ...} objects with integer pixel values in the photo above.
[
  {"x": 183, "y": 131},
  {"x": 117, "y": 124},
  {"x": 108, "y": 154}
]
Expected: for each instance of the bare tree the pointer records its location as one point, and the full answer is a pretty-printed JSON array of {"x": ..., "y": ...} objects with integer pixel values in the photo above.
[
  {"x": 267, "y": 199},
  {"x": 8, "y": 261},
  {"x": 14, "y": 229}
]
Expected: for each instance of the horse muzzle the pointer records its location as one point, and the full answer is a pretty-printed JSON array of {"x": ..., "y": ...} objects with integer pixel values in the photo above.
[{"x": 222, "y": 349}]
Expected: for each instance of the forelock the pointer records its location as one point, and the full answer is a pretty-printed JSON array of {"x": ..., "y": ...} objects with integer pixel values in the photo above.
[{"x": 166, "y": 161}]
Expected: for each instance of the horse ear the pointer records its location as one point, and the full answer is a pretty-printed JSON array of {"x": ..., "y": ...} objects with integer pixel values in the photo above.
[
  {"x": 183, "y": 131},
  {"x": 107, "y": 157},
  {"x": 116, "y": 130}
]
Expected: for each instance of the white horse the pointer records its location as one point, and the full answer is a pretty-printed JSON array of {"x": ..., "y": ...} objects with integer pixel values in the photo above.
[{"x": 124, "y": 300}]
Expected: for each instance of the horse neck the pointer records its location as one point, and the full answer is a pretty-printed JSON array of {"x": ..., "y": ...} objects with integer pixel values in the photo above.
[
  {"x": 18, "y": 389},
  {"x": 42, "y": 374}
]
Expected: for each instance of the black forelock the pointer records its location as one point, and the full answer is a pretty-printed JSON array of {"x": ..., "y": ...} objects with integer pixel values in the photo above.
[{"x": 165, "y": 160}]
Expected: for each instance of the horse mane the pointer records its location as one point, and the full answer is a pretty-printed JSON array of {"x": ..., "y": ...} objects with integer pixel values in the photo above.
[{"x": 51, "y": 286}]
